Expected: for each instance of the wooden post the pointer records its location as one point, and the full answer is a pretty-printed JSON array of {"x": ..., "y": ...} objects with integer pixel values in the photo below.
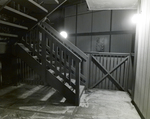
[
  {"x": 77, "y": 100},
  {"x": 86, "y": 70},
  {"x": 43, "y": 39}
]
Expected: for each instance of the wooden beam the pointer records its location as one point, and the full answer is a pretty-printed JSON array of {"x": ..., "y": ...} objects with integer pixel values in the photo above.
[
  {"x": 8, "y": 35},
  {"x": 3, "y": 3},
  {"x": 32, "y": 5},
  {"x": 18, "y": 13},
  {"x": 38, "y": 6},
  {"x": 13, "y": 25}
]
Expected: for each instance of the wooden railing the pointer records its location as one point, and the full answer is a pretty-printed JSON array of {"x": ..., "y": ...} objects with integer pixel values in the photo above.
[
  {"x": 110, "y": 70},
  {"x": 70, "y": 45},
  {"x": 55, "y": 57}
]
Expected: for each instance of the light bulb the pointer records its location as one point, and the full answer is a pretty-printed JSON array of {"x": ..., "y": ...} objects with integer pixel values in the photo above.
[{"x": 64, "y": 34}]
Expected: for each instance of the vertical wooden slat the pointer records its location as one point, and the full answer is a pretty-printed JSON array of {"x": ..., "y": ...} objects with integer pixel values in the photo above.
[
  {"x": 56, "y": 54},
  {"x": 65, "y": 62},
  {"x": 51, "y": 51},
  {"x": 70, "y": 63},
  {"x": 34, "y": 42},
  {"x": 60, "y": 59},
  {"x": 37, "y": 40},
  {"x": 43, "y": 56},
  {"x": 77, "y": 100}
]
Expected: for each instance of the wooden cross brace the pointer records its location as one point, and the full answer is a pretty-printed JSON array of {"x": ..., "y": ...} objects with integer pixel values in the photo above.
[{"x": 108, "y": 73}]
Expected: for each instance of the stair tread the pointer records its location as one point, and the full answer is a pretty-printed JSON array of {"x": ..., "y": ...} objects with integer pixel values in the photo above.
[
  {"x": 8, "y": 35},
  {"x": 13, "y": 25},
  {"x": 35, "y": 57},
  {"x": 17, "y": 13},
  {"x": 30, "y": 4},
  {"x": 59, "y": 78},
  {"x": 51, "y": 71},
  {"x": 25, "y": 48}
]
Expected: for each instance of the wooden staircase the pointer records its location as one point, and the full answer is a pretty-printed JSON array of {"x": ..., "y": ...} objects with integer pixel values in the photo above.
[{"x": 57, "y": 61}]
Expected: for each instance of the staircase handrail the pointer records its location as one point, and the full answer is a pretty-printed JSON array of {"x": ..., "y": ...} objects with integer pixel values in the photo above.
[
  {"x": 64, "y": 41},
  {"x": 63, "y": 46}
]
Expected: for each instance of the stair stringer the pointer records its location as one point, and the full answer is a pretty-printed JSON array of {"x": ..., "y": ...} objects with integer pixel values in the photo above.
[{"x": 60, "y": 87}]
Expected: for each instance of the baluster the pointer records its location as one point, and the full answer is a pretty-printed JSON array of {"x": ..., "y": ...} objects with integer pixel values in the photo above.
[
  {"x": 30, "y": 38},
  {"x": 77, "y": 74},
  {"x": 33, "y": 36},
  {"x": 60, "y": 59},
  {"x": 43, "y": 37},
  {"x": 26, "y": 39},
  {"x": 37, "y": 40},
  {"x": 56, "y": 52},
  {"x": 70, "y": 63},
  {"x": 65, "y": 63},
  {"x": 51, "y": 51}
]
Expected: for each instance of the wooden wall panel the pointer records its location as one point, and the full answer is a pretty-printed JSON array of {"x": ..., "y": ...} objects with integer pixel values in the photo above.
[
  {"x": 70, "y": 24},
  {"x": 70, "y": 11},
  {"x": 79, "y": 21},
  {"x": 142, "y": 83},
  {"x": 84, "y": 43},
  {"x": 121, "y": 43},
  {"x": 101, "y": 21},
  {"x": 121, "y": 20},
  {"x": 84, "y": 23}
]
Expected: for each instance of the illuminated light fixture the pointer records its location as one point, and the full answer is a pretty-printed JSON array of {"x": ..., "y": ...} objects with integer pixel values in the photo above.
[
  {"x": 136, "y": 18},
  {"x": 64, "y": 34}
]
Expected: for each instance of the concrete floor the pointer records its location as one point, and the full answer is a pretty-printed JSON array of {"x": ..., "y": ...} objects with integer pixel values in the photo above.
[{"x": 39, "y": 102}]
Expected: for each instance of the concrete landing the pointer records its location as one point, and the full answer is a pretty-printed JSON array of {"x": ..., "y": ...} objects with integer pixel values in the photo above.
[{"x": 40, "y": 102}]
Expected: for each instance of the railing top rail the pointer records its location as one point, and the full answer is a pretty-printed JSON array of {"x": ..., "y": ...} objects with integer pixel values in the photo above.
[
  {"x": 66, "y": 42},
  {"x": 63, "y": 45},
  {"x": 108, "y": 53}
]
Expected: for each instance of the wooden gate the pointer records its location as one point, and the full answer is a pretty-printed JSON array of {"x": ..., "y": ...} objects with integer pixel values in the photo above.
[{"x": 110, "y": 71}]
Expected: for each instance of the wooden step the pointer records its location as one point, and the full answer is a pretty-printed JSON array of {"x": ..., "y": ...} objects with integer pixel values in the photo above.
[
  {"x": 51, "y": 71},
  {"x": 35, "y": 57},
  {"x": 8, "y": 35},
  {"x": 18, "y": 14},
  {"x": 13, "y": 25},
  {"x": 32, "y": 5}
]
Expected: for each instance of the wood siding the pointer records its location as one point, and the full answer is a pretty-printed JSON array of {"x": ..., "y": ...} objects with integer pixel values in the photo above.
[
  {"x": 142, "y": 83},
  {"x": 100, "y": 31}
]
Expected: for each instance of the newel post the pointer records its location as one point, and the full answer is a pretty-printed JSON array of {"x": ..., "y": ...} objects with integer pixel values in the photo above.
[
  {"x": 86, "y": 70},
  {"x": 77, "y": 98}
]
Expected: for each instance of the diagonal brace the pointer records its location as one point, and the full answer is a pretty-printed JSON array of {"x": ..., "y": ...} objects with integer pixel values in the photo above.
[{"x": 108, "y": 73}]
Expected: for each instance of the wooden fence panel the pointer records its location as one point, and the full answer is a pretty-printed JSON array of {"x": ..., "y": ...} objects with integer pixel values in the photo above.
[{"x": 122, "y": 72}]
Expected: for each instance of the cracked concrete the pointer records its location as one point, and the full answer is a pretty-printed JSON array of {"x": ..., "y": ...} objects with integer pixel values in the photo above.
[{"x": 40, "y": 102}]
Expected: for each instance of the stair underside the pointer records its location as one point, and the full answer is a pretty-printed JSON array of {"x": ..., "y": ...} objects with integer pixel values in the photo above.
[
  {"x": 18, "y": 14},
  {"x": 52, "y": 80},
  {"x": 8, "y": 35},
  {"x": 13, "y": 25},
  {"x": 30, "y": 4}
]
